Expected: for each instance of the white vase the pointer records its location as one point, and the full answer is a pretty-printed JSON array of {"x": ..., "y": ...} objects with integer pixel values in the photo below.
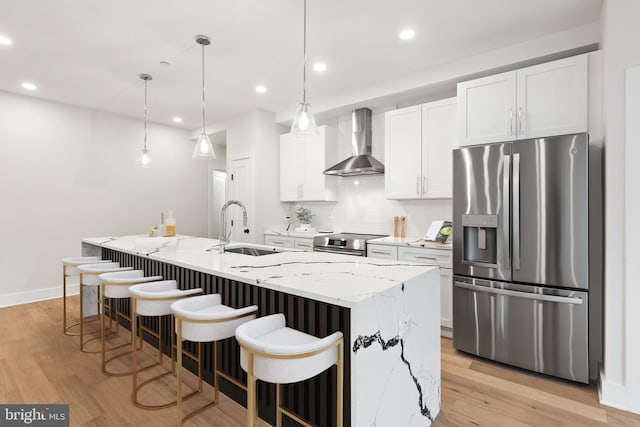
[{"x": 305, "y": 227}]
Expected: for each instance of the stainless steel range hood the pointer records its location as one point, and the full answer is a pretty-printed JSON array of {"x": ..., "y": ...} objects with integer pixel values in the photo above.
[{"x": 362, "y": 162}]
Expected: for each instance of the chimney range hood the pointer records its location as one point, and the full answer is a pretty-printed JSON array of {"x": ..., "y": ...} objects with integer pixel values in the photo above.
[{"x": 361, "y": 162}]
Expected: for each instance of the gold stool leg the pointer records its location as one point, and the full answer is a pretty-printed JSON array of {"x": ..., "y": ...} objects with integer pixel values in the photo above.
[
  {"x": 340, "y": 386},
  {"x": 81, "y": 313},
  {"x": 134, "y": 353},
  {"x": 215, "y": 372},
  {"x": 251, "y": 393},
  {"x": 278, "y": 410},
  {"x": 179, "y": 373}
]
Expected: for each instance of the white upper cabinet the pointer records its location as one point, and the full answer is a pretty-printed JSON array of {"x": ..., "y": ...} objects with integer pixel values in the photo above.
[
  {"x": 303, "y": 158},
  {"x": 402, "y": 153},
  {"x": 542, "y": 100},
  {"x": 418, "y": 144},
  {"x": 552, "y": 98},
  {"x": 486, "y": 109},
  {"x": 439, "y": 138}
]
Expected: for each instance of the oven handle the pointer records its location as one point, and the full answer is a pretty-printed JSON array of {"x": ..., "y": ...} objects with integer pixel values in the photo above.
[
  {"x": 506, "y": 292},
  {"x": 337, "y": 251}
]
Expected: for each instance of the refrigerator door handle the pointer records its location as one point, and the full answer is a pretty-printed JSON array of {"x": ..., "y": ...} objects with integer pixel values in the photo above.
[
  {"x": 516, "y": 211},
  {"x": 527, "y": 295},
  {"x": 506, "y": 172}
]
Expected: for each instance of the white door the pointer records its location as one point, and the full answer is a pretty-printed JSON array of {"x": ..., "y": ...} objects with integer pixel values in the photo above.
[
  {"x": 241, "y": 187},
  {"x": 291, "y": 167},
  {"x": 439, "y": 138},
  {"x": 487, "y": 109},
  {"x": 552, "y": 98},
  {"x": 218, "y": 198},
  {"x": 402, "y": 153}
]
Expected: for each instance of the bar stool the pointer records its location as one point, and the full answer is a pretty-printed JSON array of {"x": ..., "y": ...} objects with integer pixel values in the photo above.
[
  {"x": 271, "y": 352},
  {"x": 204, "y": 319},
  {"x": 116, "y": 285},
  {"x": 155, "y": 299},
  {"x": 89, "y": 276},
  {"x": 70, "y": 269}
]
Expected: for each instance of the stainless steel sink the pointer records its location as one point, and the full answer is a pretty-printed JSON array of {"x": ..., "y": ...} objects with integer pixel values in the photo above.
[{"x": 250, "y": 251}]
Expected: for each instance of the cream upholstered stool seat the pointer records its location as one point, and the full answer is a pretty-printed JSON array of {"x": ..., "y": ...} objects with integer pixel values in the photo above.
[
  {"x": 70, "y": 269},
  {"x": 204, "y": 319},
  {"x": 269, "y": 351},
  {"x": 155, "y": 299},
  {"x": 89, "y": 277},
  {"x": 115, "y": 286}
]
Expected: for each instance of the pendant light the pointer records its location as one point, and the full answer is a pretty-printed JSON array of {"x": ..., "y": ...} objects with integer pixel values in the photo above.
[
  {"x": 203, "y": 148},
  {"x": 303, "y": 121},
  {"x": 145, "y": 157}
]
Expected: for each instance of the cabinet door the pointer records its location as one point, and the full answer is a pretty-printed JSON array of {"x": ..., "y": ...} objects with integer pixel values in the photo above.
[
  {"x": 446, "y": 298},
  {"x": 303, "y": 243},
  {"x": 486, "y": 109},
  {"x": 279, "y": 241},
  {"x": 402, "y": 148},
  {"x": 552, "y": 98},
  {"x": 291, "y": 167},
  {"x": 382, "y": 251},
  {"x": 439, "y": 138},
  {"x": 313, "y": 184}
]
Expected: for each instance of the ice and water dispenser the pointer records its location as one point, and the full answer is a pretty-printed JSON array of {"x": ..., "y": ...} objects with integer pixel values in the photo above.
[{"x": 480, "y": 239}]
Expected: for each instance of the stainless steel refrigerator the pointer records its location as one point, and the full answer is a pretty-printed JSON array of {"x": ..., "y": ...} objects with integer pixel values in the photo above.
[{"x": 521, "y": 254}]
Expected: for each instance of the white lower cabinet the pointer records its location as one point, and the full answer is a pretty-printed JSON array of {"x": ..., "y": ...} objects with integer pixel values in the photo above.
[
  {"x": 280, "y": 241},
  {"x": 304, "y": 243},
  {"x": 446, "y": 300},
  {"x": 382, "y": 251},
  {"x": 436, "y": 257}
]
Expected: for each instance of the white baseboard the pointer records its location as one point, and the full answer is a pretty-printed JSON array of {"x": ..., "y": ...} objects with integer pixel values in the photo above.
[
  {"x": 26, "y": 297},
  {"x": 617, "y": 395}
]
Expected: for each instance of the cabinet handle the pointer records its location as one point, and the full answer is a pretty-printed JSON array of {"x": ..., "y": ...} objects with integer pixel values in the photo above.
[
  {"x": 301, "y": 191},
  {"x": 510, "y": 121},
  {"x": 380, "y": 252},
  {"x": 418, "y": 186},
  {"x": 424, "y": 179},
  {"x": 426, "y": 257},
  {"x": 520, "y": 120},
  {"x": 277, "y": 242}
]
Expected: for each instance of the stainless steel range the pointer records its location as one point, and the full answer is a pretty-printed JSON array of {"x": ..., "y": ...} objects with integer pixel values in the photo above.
[{"x": 344, "y": 243}]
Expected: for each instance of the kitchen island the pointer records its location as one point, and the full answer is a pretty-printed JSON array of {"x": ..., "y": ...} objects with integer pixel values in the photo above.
[{"x": 388, "y": 312}]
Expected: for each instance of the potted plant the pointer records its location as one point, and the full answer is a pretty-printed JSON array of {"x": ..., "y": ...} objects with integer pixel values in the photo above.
[{"x": 304, "y": 217}]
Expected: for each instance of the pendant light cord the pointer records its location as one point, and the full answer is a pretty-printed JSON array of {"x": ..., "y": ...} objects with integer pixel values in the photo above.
[
  {"x": 145, "y": 115},
  {"x": 203, "y": 104},
  {"x": 304, "y": 47}
]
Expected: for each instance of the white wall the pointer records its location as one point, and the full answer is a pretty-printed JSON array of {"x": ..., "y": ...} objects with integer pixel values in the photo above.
[
  {"x": 256, "y": 133},
  {"x": 69, "y": 172},
  {"x": 362, "y": 207},
  {"x": 620, "y": 382}
]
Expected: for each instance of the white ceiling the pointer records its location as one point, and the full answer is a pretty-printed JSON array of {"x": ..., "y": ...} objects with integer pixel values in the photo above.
[{"x": 90, "y": 52}]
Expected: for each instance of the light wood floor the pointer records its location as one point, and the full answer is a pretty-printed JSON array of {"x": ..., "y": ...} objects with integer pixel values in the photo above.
[{"x": 38, "y": 364}]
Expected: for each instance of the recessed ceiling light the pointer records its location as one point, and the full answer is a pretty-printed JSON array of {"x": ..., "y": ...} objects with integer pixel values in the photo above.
[
  {"x": 261, "y": 89},
  {"x": 29, "y": 86},
  {"x": 320, "y": 67},
  {"x": 5, "y": 41},
  {"x": 165, "y": 63},
  {"x": 177, "y": 119},
  {"x": 407, "y": 34}
]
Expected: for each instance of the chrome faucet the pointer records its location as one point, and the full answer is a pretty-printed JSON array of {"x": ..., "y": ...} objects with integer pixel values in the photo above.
[{"x": 223, "y": 238}]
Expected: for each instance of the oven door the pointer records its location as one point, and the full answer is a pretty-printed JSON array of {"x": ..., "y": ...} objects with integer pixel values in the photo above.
[{"x": 338, "y": 251}]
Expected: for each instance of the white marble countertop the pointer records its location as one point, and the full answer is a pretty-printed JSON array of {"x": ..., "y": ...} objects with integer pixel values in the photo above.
[
  {"x": 336, "y": 279},
  {"x": 410, "y": 241}
]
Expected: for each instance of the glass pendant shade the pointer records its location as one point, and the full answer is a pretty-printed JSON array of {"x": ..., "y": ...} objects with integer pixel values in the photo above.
[
  {"x": 145, "y": 159},
  {"x": 203, "y": 148},
  {"x": 303, "y": 121}
]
